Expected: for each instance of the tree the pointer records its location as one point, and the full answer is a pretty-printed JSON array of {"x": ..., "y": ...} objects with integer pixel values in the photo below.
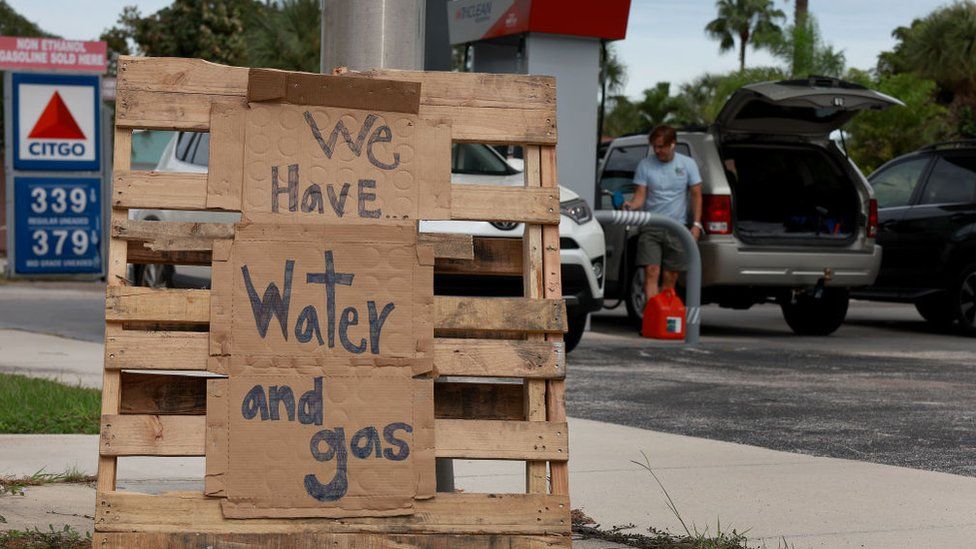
[
  {"x": 941, "y": 47},
  {"x": 285, "y": 35},
  {"x": 802, "y": 48},
  {"x": 613, "y": 76},
  {"x": 15, "y": 24},
  {"x": 878, "y": 136},
  {"x": 748, "y": 21},
  {"x": 208, "y": 29}
]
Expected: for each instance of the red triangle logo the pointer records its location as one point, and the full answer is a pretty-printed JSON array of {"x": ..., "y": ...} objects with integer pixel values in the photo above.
[{"x": 56, "y": 122}]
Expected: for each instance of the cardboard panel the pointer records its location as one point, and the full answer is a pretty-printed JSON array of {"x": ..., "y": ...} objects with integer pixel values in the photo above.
[
  {"x": 300, "y": 88},
  {"x": 313, "y": 164},
  {"x": 337, "y": 444}
]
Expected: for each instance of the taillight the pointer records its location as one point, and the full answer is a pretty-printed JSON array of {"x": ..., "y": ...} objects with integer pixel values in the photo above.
[
  {"x": 872, "y": 218},
  {"x": 717, "y": 213}
]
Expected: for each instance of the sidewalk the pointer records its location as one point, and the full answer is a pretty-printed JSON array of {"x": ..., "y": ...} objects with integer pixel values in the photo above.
[{"x": 812, "y": 502}]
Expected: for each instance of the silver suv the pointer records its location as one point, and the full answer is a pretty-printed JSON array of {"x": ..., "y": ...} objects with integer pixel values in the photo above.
[{"x": 788, "y": 217}]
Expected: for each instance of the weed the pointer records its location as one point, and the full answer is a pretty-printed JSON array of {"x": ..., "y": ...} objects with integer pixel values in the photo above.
[
  {"x": 18, "y": 485},
  {"x": 66, "y": 538}
]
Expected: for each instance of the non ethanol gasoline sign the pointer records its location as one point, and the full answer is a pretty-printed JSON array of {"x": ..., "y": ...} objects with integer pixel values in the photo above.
[{"x": 56, "y": 122}]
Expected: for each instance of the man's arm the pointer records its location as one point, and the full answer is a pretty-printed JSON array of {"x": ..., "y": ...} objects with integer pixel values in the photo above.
[
  {"x": 696, "y": 209},
  {"x": 637, "y": 202}
]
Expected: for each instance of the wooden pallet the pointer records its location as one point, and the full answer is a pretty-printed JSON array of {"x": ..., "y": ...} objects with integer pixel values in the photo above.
[{"x": 148, "y": 413}]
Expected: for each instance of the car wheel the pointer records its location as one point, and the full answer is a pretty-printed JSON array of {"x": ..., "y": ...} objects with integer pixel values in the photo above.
[
  {"x": 965, "y": 299},
  {"x": 154, "y": 275},
  {"x": 936, "y": 310},
  {"x": 636, "y": 299},
  {"x": 577, "y": 324},
  {"x": 808, "y": 315}
]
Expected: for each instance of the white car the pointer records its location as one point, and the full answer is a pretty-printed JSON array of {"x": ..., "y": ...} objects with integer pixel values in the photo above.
[{"x": 581, "y": 237}]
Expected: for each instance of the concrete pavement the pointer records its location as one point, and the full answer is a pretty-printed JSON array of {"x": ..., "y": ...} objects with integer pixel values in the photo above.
[{"x": 809, "y": 501}]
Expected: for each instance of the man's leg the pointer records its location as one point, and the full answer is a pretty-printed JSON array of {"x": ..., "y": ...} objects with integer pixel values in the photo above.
[
  {"x": 651, "y": 274},
  {"x": 669, "y": 279}
]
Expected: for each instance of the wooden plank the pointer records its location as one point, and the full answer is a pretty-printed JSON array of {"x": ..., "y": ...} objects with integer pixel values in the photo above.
[
  {"x": 160, "y": 190},
  {"x": 148, "y": 304},
  {"x": 556, "y": 389},
  {"x": 179, "y": 75},
  {"x": 494, "y": 203},
  {"x": 534, "y": 403},
  {"x": 152, "y": 435},
  {"x": 491, "y": 256},
  {"x": 448, "y": 245},
  {"x": 485, "y": 439},
  {"x": 509, "y": 314},
  {"x": 497, "y": 401},
  {"x": 115, "y": 276},
  {"x": 156, "y": 394},
  {"x": 482, "y": 514},
  {"x": 154, "y": 110},
  {"x": 173, "y": 235},
  {"x": 217, "y": 443},
  {"x": 513, "y": 314},
  {"x": 141, "y": 255},
  {"x": 499, "y": 358},
  {"x": 304, "y": 540},
  {"x": 169, "y": 350}
]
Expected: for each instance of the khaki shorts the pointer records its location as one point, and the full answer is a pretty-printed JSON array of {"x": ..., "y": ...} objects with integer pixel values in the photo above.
[{"x": 657, "y": 246}]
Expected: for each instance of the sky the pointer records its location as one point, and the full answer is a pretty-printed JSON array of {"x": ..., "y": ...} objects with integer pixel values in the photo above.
[{"x": 665, "y": 41}]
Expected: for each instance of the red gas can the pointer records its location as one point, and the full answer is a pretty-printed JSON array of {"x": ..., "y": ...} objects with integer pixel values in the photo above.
[{"x": 664, "y": 316}]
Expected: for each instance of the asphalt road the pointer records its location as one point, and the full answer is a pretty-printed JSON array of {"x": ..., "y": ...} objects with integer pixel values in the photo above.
[{"x": 884, "y": 388}]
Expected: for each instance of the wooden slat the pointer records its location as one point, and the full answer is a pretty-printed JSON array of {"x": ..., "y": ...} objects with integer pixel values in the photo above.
[
  {"x": 478, "y": 401},
  {"x": 482, "y": 514},
  {"x": 152, "y": 350},
  {"x": 509, "y": 314},
  {"x": 449, "y": 245},
  {"x": 483, "y": 439},
  {"x": 153, "y": 394},
  {"x": 180, "y": 75},
  {"x": 153, "y": 110},
  {"x": 217, "y": 438},
  {"x": 163, "y": 394},
  {"x": 534, "y": 402},
  {"x": 141, "y": 350},
  {"x": 173, "y": 235},
  {"x": 494, "y": 203},
  {"x": 148, "y": 304},
  {"x": 152, "y": 435},
  {"x": 139, "y": 254},
  {"x": 160, "y": 190},
  {"x": 499, "y": 358},
  {"x": 512, "y": 314},
  {"x": 491, "y": 256},
  {"x": 306, "y": 540},
  {"x": 555, "y": 389}
]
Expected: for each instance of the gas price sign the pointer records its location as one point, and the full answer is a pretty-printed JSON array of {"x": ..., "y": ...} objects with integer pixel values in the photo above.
[{"x": 58, "y": 225}]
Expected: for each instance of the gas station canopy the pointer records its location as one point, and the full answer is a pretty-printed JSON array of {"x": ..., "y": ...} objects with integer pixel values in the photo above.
[{"x": 474, "y": 20}]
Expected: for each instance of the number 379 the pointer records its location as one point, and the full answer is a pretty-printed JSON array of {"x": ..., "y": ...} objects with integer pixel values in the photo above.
[{"x": 44, "y": 241}]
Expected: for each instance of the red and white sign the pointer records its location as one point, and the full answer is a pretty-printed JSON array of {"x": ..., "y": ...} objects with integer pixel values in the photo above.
[
  {"x": 52, "y": 54},
  {"x": 57, "y": 122}
]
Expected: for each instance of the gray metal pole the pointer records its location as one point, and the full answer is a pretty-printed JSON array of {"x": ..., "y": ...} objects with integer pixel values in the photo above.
[
  {"x": 373, "y": 34},
  {"x": 693, "y": 276},
  {"x": 378, "y": 34}
]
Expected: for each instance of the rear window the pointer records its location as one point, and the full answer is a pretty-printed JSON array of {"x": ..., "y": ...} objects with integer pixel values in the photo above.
[
  {"x": 193, "y": 148},
  {"x": 474, "y": 159},
  {"x": 618, "y": 172},
  {"x": 953, "y": 181}
]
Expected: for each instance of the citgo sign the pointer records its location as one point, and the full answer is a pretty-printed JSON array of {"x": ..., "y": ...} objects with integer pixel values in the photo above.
[{"x": 56, "y": 122}]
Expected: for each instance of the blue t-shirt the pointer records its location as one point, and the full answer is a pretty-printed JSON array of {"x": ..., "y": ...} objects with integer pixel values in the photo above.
[{"x": 667, "y": 185}]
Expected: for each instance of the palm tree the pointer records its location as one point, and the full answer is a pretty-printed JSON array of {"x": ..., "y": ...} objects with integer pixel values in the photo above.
[{"x": 748, "y": 21}]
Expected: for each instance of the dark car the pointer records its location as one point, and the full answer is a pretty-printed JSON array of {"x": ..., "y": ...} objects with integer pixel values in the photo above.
[{"x": 927, "y": 230}]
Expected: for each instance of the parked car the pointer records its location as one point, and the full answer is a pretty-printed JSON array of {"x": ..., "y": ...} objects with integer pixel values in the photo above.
[
  {"x": 927, "y": 227},
  {"x": 581, "y": 237},
  {"x": 788, "y": 217}
]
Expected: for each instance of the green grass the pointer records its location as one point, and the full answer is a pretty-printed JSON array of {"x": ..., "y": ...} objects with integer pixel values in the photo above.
[
  {"x": 66, "y": 538},
  {"x": 10, "y": 485},
  {"x": 31, "y": 405}
]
